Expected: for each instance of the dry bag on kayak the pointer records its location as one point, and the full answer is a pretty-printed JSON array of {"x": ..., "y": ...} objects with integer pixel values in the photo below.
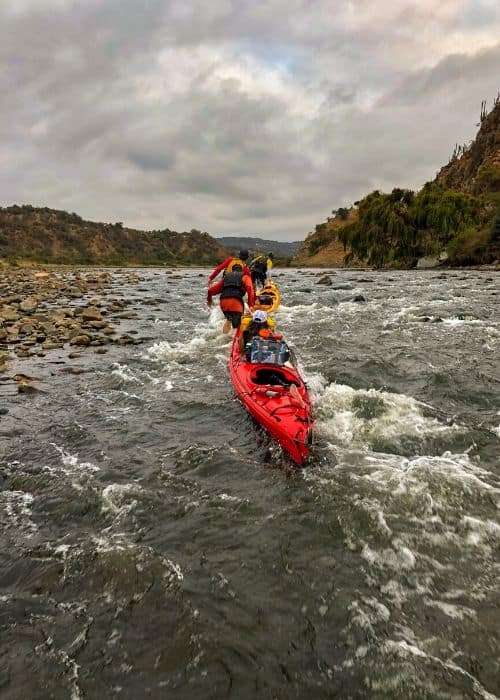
[{"x": 268, "y": 351}]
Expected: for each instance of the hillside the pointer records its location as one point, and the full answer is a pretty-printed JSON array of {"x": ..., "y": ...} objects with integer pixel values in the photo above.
[
  {"x": 455, "y": 218},
  {"x": 53, "y": 236},
  {"x": 281, "y": 249},
  {"x": 323, "y": 246},
  {"x": 476, "y": 168}
]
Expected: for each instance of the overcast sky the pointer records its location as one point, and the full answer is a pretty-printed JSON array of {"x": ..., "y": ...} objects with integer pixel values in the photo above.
[{"x": 231, "y": 116}]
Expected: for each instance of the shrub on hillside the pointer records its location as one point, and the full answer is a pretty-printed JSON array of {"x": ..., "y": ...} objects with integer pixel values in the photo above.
[{"x": 401, "y": 226}]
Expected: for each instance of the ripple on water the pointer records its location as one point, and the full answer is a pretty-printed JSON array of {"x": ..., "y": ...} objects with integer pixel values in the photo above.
[{"x": 148, "y": 548}]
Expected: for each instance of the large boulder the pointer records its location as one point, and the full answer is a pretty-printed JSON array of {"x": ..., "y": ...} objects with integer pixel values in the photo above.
[
  {"x": 28, "y": 305},
  {"x": 80, "y": 340},
  {"x": 91, "y": 314},
  {"x": 7, "y": 313},
  {"x": 430, "y": 261}
]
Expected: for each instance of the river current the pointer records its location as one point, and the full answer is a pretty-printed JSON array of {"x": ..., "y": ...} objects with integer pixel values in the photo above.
[{"x": 156, "y": 543}]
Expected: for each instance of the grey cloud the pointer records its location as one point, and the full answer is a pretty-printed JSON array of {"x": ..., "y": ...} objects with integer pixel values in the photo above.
[
  {"x": 457, "y": 72},
  {"x": 321, "y": 116}
]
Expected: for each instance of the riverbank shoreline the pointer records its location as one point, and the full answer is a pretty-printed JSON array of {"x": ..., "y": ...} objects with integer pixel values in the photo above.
[{"x": 66, "y": 312}]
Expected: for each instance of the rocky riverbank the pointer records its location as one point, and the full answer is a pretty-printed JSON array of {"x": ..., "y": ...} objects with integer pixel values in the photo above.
[{"x": 71, "y": 311}]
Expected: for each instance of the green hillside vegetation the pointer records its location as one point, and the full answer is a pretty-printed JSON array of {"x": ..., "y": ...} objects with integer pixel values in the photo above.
[
  {"x": 47, "y": 235},
  {"x": 457, "y": 215},
  {"x": 400, "y": 227}
]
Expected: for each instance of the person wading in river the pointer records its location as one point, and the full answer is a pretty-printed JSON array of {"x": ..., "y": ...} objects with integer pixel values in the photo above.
[
  {"x": 228, "y": 264},
  {"x": 259, "y": 267},
  {"x": 232, "y": 289}
]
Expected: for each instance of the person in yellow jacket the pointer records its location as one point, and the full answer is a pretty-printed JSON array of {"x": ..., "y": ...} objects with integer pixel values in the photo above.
[
  {"x": 254, "y": 324},
  {"x": 259, "y": 267}
]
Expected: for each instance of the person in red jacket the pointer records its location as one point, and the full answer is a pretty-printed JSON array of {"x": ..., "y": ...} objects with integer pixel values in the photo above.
[
  {"x": 228, "y": 264},
  {"x": 232, "y": 289}
]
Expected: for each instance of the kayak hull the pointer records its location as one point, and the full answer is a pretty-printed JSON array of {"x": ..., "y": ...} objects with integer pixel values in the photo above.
[{"x": 278, "y": 399}]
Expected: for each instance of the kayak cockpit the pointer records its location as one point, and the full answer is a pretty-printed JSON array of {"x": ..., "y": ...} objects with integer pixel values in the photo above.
[{"x": 273, "y": 376}]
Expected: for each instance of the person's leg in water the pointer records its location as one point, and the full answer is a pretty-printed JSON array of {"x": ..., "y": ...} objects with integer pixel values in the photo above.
[
  {"x": 233, "y": 320},
  {"x": 236, "y": 320}
]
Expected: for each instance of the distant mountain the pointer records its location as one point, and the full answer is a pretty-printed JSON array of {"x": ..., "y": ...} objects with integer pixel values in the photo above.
[
  {"x": 53, "y": 236},
  {"x": 281, "y": 249},
  {"x": 455, "y": 218}
]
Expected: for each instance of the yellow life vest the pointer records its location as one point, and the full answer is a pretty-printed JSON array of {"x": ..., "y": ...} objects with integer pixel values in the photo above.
[
  {"x": 234, "y": 261},
  {"x": 246, "y": 320}
]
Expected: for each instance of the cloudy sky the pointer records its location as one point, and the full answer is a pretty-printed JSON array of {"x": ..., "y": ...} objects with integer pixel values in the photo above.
[{"x": 231, "y": 116}]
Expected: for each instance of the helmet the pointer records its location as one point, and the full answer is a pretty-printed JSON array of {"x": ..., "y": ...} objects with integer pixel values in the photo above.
[
  {"x": 243, "y": 254},
  {"x": 259, "y": 316},
  {"x": 270, "y": 255}
]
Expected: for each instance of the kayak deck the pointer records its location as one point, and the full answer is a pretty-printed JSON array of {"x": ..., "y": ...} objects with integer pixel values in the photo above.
[{"x": 277, "y": 398}]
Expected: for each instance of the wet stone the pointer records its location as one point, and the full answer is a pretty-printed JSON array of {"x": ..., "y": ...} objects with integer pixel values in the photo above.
[
  {"x": 127, "y": 314},
  {"x": 29, "y": 304},
  {"x": 80, "y": 340},
  {"x": 91, "y": 314}
]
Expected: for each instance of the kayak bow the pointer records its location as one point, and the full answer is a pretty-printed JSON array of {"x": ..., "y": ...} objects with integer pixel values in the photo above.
[{"x": 268, "y": 298}]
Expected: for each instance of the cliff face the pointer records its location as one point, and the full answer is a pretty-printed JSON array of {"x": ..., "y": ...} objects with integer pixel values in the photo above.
[
  {"x": 49, "y": 235},
  {"x": 476, "y": 168},
  {"x": 457, "y": 215}
]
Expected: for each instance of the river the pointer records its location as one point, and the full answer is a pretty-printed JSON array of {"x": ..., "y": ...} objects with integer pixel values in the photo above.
[{"x": 156, "y": 543}]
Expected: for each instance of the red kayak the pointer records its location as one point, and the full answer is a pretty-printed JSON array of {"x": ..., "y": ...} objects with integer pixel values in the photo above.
[{"x": 277, "y": 398}]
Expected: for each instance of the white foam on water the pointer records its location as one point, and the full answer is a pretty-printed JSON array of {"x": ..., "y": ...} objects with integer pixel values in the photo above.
[
  {"x": 403, "y": 649},
  {"x": 119, "y": 498},
  {"x": 231, "y": 499},
  {"x": 174, "y": 570},
  {"x": 368, "y": 612},
  {"x": 142, "y": 556},
  {"x": 457, "y": 612},
  {"x": 315, "y": 381},
  {"x": 168, "y": 386},
  {"x": 415, "y": 520},
  {"x": 128, "y": 395},
  {"x": 314, "y": 311},
  {"x": 396, "y": 592},
  {"x": 405, "y": 313},
  {"x": 415, "y": 314},
  {"x": 360, "y": 418},
  {"x": 480, "y": 531},
  {"x": 178, "y": 353},
  {"x": 17, "y": 507},
  {"x": 71, "y": 462},
  {"x": 124, "y": 373},
  {"x": 117, "y": 543},
  {"x": 398, "y": 558}
]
